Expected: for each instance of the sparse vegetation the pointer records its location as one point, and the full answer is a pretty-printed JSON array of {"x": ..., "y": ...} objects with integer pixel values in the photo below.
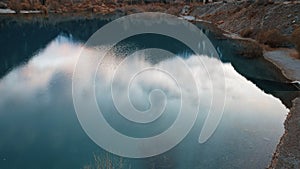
[
  {"x": 249, "y": 48},
  {"x": 274, "y": 38},
  {"x": 247, "y": 33},
  {"x": 18, "y": 5},
  {"x": 95, "y": 6},
  {"x": 295, "y": 38},
  {"x": 15, "y": 5}
]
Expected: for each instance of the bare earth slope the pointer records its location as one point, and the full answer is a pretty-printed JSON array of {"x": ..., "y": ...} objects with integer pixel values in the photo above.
[{"x": 235, "y": 17}]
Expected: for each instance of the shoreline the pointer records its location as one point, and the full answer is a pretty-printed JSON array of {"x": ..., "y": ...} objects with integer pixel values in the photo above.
[
  {"x": 283, "y": 57},
  {"x": 287, "y": 153}
]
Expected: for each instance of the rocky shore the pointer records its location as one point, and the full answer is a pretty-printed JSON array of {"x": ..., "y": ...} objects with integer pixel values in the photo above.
[
  {"x": 275, "y": 27},
  {"x": 287, "y": 154},
  {"x": 253, "y": 21}
]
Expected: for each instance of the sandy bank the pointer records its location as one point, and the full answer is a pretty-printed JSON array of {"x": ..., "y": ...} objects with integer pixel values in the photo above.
[{"x": 283, "y": 59}]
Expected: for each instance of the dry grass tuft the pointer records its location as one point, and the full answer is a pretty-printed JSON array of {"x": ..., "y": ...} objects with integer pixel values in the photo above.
[
  {"x": 247, "y": 32},
  {"x": 273, "y": 38},
  {"x": 18, "y": 5},
  {"x": 250, "y": 49},
  {"x": 15, "y": 5},
  {"x": 295, "y": 38}
]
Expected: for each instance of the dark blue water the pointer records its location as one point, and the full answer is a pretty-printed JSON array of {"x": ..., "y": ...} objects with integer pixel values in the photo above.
[{"x": 39, "y": 127}]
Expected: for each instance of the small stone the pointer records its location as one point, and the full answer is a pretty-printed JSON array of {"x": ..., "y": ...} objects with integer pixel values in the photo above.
[
  {"x": 220, "y": 22},
  {"x": 289, "y": 15},
  {"x": 185, "y": 10}
]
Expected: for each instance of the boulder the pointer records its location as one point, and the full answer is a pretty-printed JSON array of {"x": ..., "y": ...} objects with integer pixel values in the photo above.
[{"x": 185, "y": 10}]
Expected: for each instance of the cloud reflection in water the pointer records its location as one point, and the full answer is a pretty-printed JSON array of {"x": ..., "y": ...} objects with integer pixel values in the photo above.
[{"x": 45, "y": 83}]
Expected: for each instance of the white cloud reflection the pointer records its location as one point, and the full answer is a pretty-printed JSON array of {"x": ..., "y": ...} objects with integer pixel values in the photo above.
[
  {"x": 61, "y": 55},
  {"x": 246, "y": 106}
]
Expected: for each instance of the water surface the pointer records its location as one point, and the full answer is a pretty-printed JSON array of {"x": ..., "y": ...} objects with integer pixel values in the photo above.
[{"x": 39, "y": 127}]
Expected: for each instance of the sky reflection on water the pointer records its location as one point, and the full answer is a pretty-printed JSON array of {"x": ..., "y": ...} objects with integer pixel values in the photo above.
[{"x": 37, "y": 114}]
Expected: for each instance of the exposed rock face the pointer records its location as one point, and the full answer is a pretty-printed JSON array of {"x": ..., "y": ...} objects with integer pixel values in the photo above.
[{"x": 287, "y": 154}]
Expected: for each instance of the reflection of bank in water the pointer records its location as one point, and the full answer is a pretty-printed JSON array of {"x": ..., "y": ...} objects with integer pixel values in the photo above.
[
  {"x": 286, "y": 91},
  {"x": 271, "y": 85}
]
